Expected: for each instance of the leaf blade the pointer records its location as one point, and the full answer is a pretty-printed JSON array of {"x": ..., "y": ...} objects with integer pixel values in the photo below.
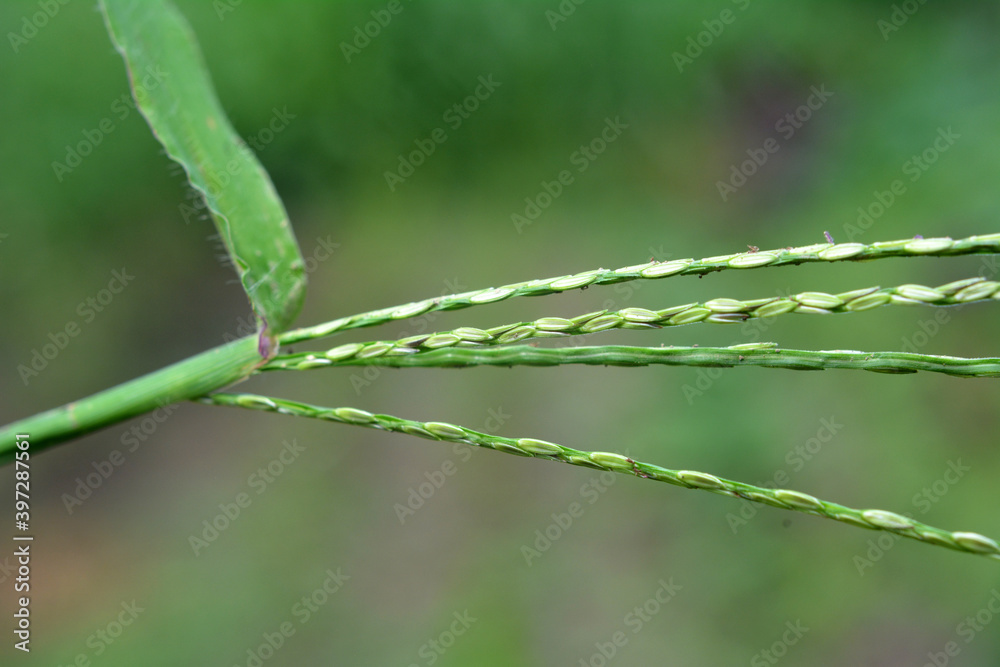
[{"x": 173, "y": 91}]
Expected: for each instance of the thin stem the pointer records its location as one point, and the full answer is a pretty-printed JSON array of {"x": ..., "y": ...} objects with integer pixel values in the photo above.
[
  {"x": 214, "y": 369},
  {"x": 820, "y": 252},
  {"x": 783, "y": 498},
  {"x": 716, "y": 310},
  {"x": 749, "y": 354}
]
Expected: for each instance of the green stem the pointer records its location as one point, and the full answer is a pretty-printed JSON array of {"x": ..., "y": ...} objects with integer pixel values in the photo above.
[
  {"x": 820, "y": 252},
  {"x": 783, "y": 498},
  {"x": 750, "y": 354},
  {"x": 182, "y": 381},
  {"x": 716, "y": 310}
]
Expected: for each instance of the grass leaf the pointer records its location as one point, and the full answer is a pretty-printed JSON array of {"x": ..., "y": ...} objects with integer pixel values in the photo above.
[{"x": 171, "y": 85}]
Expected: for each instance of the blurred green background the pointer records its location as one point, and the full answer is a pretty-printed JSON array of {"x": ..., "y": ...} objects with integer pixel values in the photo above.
[{"x": 334, "y": 507}]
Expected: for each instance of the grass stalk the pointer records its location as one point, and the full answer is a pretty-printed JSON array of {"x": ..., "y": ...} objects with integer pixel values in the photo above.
[
  {"x": 767, "y": 355},
  {"x": 783, "y": 498},
  {"x": 820, "y": 252},
  {"x": 193, "y": 377},
  {"x": 716, "y": 310}
]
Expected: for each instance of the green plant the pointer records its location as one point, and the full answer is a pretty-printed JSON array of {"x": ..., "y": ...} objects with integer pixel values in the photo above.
[{"x": 251, "y": 220}]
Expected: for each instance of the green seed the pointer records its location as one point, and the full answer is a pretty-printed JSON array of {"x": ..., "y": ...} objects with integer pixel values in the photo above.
[
  {"x": 920, "y": 293},
  {"x": 540, "y": 447},
  {"x": 249, "y": 401},
  {"x": 842, "y": 251},
  {"x": 473, "y": 334},
  {"x": 666, "y": 269},
  {"x": 554, "y": 324},
  {"x": 374, "y": 350},
  {"x": 572, "y": 282},
  {"x": 796, "y": 499},
  {"x": 751, "y": 260},
  {"x": 639, "y": 315},
  {"x": 889, "y": 520},
  {"x": 868, "y": 302},
  {"x": 343, "y": 351},
  {"x": 446, "y": 431},
  {"x": 494, "y": 294},
  {"x": 516, "y": 334},
  {"x": 610, "y": 460},
  {"x": 700, "y": 479},
  {"x": 818, "y": 300},
  {"x": 921, "y": 246},
  {"x": 775, "y": 308},
  {"x": 725, "y": 306},
  {"x": 601, "y": 323},
  {"x": 689, "y": 316},
  {"x": 440, "y": 340},
  {"x": 979, "y": 291},
  {"x": 976, "y": 542},
  {"x": 354, "y": 416}
]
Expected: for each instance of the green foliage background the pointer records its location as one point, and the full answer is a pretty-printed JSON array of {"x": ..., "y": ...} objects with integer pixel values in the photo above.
[{"x": 448, "y": 228}]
